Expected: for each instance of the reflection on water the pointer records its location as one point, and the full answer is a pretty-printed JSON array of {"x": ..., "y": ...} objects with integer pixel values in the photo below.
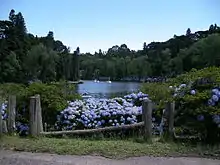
[{"x": 107, "y": 90}]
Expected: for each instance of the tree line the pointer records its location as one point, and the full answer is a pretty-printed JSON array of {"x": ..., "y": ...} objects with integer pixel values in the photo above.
[
  {"x": 25, "y": 57},
  {"x": 157, "y": 59}
]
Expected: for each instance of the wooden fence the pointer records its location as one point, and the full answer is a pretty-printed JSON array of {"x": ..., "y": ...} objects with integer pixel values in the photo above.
[{"x": 36, "y": 124}]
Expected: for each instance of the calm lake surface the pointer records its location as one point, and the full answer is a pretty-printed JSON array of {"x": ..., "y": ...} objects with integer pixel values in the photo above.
[{"x": 103, "y": 89}]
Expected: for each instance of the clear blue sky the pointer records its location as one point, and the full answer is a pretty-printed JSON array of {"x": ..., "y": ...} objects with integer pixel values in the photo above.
[{"x": 100, "y": 24}]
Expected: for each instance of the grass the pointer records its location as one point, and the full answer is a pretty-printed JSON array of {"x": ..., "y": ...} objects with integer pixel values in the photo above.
[{"x": 106, "y": 148}]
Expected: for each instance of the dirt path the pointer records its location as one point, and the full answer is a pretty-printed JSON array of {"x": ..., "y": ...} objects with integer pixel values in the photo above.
[{"x": 25, "y": 158}]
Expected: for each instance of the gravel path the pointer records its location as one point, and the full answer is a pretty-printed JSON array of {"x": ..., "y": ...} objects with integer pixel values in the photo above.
[{"x": 25, "y": 158}]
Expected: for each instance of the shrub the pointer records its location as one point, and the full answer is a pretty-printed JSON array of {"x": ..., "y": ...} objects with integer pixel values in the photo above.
[
  {"x": 199, "y": 109},
  {"x": 159, "y": 93},
  {"x": 53, "y": 99},
  {"x": 11, "y": 89},
  {"x": 197, "y": 95}
]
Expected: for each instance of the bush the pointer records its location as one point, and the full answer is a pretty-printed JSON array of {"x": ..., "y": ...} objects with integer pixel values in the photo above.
[
  {"x": 159, "y": 93},
  {"x": 11, "y": 88},
  {"x": 53, "y": 99},
  {"x": 197, "y": 95},
  {"x": 199, "y": 109}
]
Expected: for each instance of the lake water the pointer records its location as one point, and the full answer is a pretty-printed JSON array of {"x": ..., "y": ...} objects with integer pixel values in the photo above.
[{"x": 103, "y": 89}]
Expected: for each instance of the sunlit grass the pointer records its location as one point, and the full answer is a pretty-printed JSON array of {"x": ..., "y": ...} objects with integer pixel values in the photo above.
[{"x": 108, "y": 148}]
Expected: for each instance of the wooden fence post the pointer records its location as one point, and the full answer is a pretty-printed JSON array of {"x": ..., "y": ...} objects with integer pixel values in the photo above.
[
  {"x": 170, "y": 120},
  {"x": 11, "y": 113},
  {"x": 39, "y": 115},
  {"x": 1, "y": 121},
  {"x": 36, "y": 125},
  {"x": 33, "y": 116},
  {"x": 147, "y": 118}
]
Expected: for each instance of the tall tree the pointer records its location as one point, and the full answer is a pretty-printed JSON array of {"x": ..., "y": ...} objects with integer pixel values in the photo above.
[{"x": 188, "y": 32}]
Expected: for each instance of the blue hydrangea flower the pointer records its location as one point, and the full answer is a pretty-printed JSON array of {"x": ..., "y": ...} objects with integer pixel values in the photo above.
[
  {"x": 200, "y": 117},
  {"x": 216, "y": 119},
  {"x": 211, "y": 102},
  {"x": 215, "y": 91},
  {"x": 215, "y": 98},
  {"x": 193, "y": 92},
  {"x": 182, "y": 86}
]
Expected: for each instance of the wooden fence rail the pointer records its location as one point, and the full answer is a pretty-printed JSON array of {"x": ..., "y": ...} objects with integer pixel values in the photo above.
[{"x": 87, "y": 131}]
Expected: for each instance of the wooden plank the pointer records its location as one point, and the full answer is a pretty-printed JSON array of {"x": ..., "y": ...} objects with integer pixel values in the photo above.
[{"x": 87, "y": 131}]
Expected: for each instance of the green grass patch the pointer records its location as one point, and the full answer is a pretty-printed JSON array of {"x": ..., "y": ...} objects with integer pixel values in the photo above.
[{"x": 107, "y": 148}]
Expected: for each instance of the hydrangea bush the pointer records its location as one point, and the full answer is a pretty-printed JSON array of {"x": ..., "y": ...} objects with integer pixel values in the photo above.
[
  {"x": 197, "y": 102},
  {"x": 97, "y": 113}
]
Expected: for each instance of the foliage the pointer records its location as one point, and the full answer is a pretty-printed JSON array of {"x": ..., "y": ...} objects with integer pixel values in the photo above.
[
  {"x": 53, "y": 99},
  {"x": 159, "y": 93},
  {"x": 40, "y": 64},
  {"x": 24, "y": 57},
  {"x": 199, "y": 108},
  {"x": 168, "y": 59},
  {"x": 205, "y": 74},
  {"x": 196, "y": 95}
]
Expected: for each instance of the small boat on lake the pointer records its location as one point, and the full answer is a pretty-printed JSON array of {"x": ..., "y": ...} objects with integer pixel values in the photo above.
[
  {"x": 109, "y": 81},
  {"x": 96, "y": 81}
]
